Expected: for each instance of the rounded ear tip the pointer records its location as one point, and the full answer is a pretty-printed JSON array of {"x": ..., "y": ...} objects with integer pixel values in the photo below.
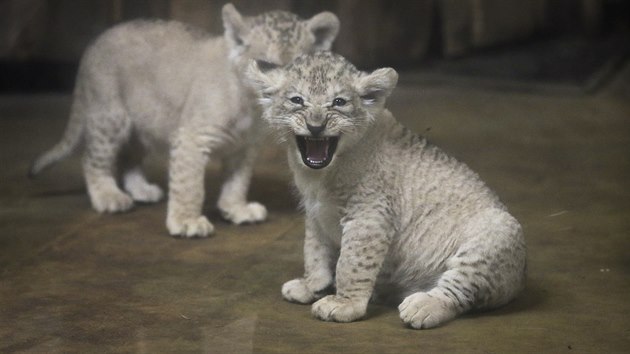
[
  {"x": 328, "y": 18},
  {"x": 389, "y": 73},
  {"x": 393, "y": 74},
  {"x": 229, "y": 10}
]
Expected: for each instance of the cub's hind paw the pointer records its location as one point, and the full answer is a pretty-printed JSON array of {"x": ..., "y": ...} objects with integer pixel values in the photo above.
[
  {"x": 296, "y": 291},
  {"x": 338, "y": 309},
  {"x": 111, "y": 202},
  {"x": 245, "y": 213},
  {"x": 189, "y": 227},
  {"x": 145, "y": 193},
  {"x": 421, "y": 310}
]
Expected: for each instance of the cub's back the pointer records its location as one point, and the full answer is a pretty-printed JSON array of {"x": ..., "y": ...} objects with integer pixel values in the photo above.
[
  {"x": 150, "y": 67},
  {"x": 164, "y": 52},
  {"x": 141, "y": 41},
  {"x": 427, "y": 177}
]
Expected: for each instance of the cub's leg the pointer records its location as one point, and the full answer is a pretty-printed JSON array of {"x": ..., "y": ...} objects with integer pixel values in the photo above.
[
  {"x": 134, "y": 181},
  {"x": 105, "y": 134},
  {"x": 364, "y": 245},
  {"x": 486, "y": 272},
  {"x": 187, "y": 167},
  {"x": 319, "y": 259},
  {"x": 237, "y": 170}
]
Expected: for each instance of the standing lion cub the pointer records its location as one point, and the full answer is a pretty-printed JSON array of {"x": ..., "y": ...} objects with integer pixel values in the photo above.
[
  {"x": 146, "y": 83},
  {"x": 386, "y": 211}
]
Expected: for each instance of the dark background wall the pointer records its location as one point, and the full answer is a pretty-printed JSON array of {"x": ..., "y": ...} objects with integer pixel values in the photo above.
[{"x": 41, "y": 40}]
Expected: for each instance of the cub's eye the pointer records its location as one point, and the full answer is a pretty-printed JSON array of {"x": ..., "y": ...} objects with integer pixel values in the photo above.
[
  {"x": 339, "y": 102},
  {"x": 264, "y": 65},
  {"x": 297, "y": 100}
]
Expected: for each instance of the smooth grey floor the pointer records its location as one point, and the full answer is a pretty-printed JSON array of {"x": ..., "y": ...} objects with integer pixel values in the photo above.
[{"x": 75, "y": 281}]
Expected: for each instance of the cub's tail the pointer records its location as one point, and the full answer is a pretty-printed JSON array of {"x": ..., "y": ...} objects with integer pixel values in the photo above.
[{"x": 72, "y": 137}]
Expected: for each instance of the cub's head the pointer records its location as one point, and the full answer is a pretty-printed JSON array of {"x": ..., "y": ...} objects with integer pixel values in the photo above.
[
  {"x": 275, "y": 38},
  {"x": 320, "y": 103}
]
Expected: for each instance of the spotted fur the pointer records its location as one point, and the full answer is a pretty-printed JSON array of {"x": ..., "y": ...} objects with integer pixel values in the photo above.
[
  {"x": 391, "y": 215},
  {"x": 149, "y": 83}
]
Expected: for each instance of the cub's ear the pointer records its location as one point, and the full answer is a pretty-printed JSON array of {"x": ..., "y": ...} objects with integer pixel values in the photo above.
[
  {"x": 266, "y": 82},
  {"x": 324, "y": 27},
  {"x": 375, "y": 87},
  {"x": 233, "y": 25}
]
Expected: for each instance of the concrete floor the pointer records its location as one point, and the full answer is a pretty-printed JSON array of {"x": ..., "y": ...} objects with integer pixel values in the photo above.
[{"x": 75, "y": 281}]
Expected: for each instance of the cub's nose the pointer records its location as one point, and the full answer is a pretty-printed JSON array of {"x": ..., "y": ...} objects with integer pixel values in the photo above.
[{"x": 316, "y": 129}]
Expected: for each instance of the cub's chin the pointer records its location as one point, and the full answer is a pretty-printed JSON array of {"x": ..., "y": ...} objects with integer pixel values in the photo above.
[{"x": 317, "y": 152}]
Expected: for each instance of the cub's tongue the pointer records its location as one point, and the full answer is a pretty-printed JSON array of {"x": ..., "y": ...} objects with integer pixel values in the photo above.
[{"x": 316, "y": 150}]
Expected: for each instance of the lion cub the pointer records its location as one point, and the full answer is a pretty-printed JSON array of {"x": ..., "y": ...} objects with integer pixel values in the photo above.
[
  {"x": 385, "y": 209},
  {"x": 146, "y": 83}
]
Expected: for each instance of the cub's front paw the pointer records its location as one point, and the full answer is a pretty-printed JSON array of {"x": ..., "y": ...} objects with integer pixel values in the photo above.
[
  {"x": 338, "y": 309},
  {"x": 244, "y": 213},
  {"x": 189, "y": 227},
  {"x": 421, "y": 310}
]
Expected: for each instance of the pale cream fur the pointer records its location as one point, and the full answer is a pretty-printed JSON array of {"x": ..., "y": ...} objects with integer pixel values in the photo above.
[
  {"x": 144, "y": 84},
  {"x": 388, "y": 214}
]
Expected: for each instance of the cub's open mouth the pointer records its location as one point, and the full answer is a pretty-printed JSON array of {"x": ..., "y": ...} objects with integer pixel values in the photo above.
[{"x": 317, "y": 152}]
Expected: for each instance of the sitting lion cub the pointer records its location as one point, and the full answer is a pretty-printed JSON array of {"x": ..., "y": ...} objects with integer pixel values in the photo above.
[
  {"x": 148, "y": 83},
  {"x": 385, "y": 209}
]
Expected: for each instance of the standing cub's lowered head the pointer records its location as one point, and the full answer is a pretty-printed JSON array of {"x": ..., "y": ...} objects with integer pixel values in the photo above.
[
  {"x": 387, "y": 213},
  {"x": 148, "y": 83}
]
